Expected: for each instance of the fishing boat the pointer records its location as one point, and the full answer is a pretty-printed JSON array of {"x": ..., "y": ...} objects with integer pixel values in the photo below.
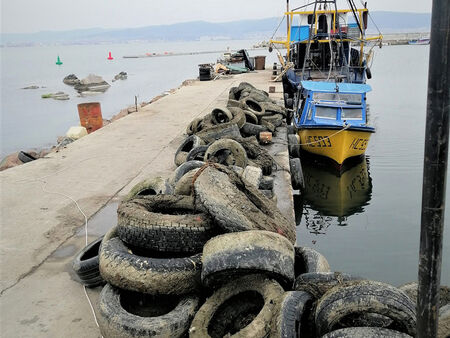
[
  {"x": 421, "y": 41},
  {"x": 324, "y": 81}
]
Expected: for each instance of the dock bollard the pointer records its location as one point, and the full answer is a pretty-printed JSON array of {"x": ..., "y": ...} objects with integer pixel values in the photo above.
[{"x": 90, "y": 116}]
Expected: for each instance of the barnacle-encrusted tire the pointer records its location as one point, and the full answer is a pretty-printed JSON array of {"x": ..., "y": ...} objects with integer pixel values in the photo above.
[
  {"x": 257, "y": 154},
  {"x": 210, "y": 134},
  {"x": 250, "y": 117},
  {"x": 242, "y": 308},
  {"x": 236, "y": 205},
  {"x": 154, "y": 186},
  {"x": 126, "y": 314},
  {"x": 235, "y": 254},
  {"x": 227, "y": 152},
  {"x": 266, "y": 183},
  {"x": 184, "y": 168},
  {"x": 411, "y": 289},
  {"x": 166, "y": 276},
  {"x": 250, "y": 129},
  {"x": 185, "y": 186},
  {"x": 233, "y": 103},
  {"x": 293, "y": 146},
  {"x": 294, "y": 311},
  {"x": 365, "y": 332},
  {"x": 444, "y": 322},
  {"x": 170, "y": 223},
  {"x": 297, "y": 180},
  {"x": 318, "y": 283},
  {"x": 362, "y": 298},
  {"x": 309, "y": 260},
  {"x": 85, "y": 264},
  {"x": 221, "y": 115},
  {"x": 188, "y": 144},
  {"x": 197, "y": 154},
  {"x": 273, "y": 108}
]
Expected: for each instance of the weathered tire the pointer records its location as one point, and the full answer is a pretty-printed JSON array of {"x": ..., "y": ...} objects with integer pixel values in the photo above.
[
  {"x": 157, "y": 276},
  {"x": 293, "y": 146},
  {"x": 411, "y": 289},
  {"x": 169, "y": 223},
  {"x": 274, "y": 119},
  {"x": 184, "y": 168},
  {"x": 125, "y": 314},
  {"x": 94, "y": 281},
  {"x": 295, "y": 308},
  {"x": 234, "y": 93},
  {"x": 318, "y": 283},
  {"x": 238, "y": 206},
  {"x": 188, "y": 144},
  {"x": 290, "y": 130},
  {"x": 211, "y": 134},
  {"x": 297, "y": 180},
  {"x": 154, "y": 186},
  {"x": 250, "y": 117},
  {"x": 252, "y": 175},
  {"x": 197, "y": 154},
  {"x": 365, "y": 332},
  {"x": 85, "y": 264},
  {"x": 192, "y": 128},
  {"x": 362, "y": 298},
  {"x": 250, "y": 129},
  {"x": 309, "y": 260},
  {"x": 444, "y": 322},
  {"x": 185, "y": 186},
  {"x": 253, "y": 106},
  {"x": 273, "y": 108},
  {"x": 259, "y": 156},
  {"x": 233, "y": 103},
  {"x": 228, "y": 256},
  {"x": 221, "y": 115},
  {"x": 227, "y": 152},
  {"x": 242, "y": 308},
  {"x": 266, "y": 183}
]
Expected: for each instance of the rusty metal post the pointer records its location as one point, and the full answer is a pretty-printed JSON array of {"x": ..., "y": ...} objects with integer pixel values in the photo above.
[{"x": 435, "y": 172}]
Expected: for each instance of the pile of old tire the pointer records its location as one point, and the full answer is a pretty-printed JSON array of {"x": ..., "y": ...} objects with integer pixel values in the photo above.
[{"x": 85, "y": 265}]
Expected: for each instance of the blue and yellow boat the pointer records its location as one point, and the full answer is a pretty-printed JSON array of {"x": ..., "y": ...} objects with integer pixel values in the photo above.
[{"x": 331, "y": 119}]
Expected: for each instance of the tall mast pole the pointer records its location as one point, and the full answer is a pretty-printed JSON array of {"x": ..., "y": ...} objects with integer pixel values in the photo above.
[
  {"x": 287, "y": 19},
  {"x": 435, "y": 172}
]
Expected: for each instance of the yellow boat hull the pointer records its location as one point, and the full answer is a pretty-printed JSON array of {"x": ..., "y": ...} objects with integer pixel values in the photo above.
[{"x": 335, "y": 144}]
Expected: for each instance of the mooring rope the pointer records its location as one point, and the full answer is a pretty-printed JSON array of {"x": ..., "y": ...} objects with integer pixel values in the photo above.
[{"x": 326, "y": 137}]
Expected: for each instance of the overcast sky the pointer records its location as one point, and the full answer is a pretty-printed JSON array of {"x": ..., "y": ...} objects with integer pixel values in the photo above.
[{"x": 24, "y": 16}]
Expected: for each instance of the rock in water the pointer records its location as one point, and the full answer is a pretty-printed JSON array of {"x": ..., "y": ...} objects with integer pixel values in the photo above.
[
  {"x": 93, "y": 83},
  {"x": 71, "y": 80}
]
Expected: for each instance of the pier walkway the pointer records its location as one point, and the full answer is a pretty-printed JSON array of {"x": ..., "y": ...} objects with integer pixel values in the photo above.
[{"x": 42, "y": 228}]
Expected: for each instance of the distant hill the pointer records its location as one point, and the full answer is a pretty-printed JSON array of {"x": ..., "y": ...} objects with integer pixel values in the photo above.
[{"x": 388, "y": 22}]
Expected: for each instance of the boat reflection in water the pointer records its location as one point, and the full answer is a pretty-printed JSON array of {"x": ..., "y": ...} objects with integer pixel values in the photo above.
[{"x": 330, "y": 197}]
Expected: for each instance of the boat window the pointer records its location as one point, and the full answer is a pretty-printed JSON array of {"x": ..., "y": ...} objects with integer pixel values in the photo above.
[
  {"x": 348, "y": 98},
  {"x": 351, "y": 114},
  {"x": 326, "y": 112}
]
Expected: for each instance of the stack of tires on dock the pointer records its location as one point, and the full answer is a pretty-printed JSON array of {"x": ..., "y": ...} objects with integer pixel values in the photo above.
[{"x": 207, "y": 253}]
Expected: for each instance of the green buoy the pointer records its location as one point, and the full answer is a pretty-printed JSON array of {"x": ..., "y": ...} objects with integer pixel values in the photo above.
[{"x": 58, "y": 62}]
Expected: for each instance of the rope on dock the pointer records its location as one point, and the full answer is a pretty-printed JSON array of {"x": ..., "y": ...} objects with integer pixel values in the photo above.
[{"x": 327, "y": 137}]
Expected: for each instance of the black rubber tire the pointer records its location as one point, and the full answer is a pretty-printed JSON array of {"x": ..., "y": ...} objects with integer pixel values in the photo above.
[
  {"x": 228, "y": 256},
  {"x": 154, "y": 186},
  {"x": 308, "y": 260},
  {"x": 273, "y": 108},
  {"x": 258, "y": 155},
  {"x": 293, "y": 146},
  {"x": 148, "y": 320},
  {"x": 444, "y": 322},
  {"x": 94, "y": 282},
  {"x": 157, "y": 276},
  {"x": 318, "y": 283},
  {"x": 365, "y": 332},
  {"x": 184, "y": 168},
  {"x": 242, "y": 308},
  {"x": 238, "y": 206},
  {"x": 292, "y": 318},
  {"x": 185, "y": 184},
  {"x": 221, "y": 115},
  {"x": 188, "y": 144},
  {"x": 193, "y": 126},
  {"x": 234, "y": 93},
  {"x": 297, "y": 179},
  {"x": 197, "y": 154},
  {"x": 250, "y": 117},
  {"x": 25, "y": 157},
  {"x": 249, "y": 129},
  {"x": 227, "y": 152},
  {"x": 368, "y": 73},
  {"x": 290, "y": 130},
  {"x": 233, "y": 103},
  {"x": 85, "y": 263},
  {"x": 253, "y": 106},
  {"x": 169, "y": 223},
  {"x": 365, "y": 297},
  {"x": 266, "y": 183},
  {"x": 224, "y": 130}
]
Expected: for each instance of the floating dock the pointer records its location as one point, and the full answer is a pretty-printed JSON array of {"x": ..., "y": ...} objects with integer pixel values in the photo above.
[{"x": 43, "y": 229}]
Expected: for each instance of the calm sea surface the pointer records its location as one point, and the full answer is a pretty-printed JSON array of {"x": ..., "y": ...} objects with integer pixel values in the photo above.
[
  {"x": 28, "y": 121},
  {"x": 367, "y": 222}
]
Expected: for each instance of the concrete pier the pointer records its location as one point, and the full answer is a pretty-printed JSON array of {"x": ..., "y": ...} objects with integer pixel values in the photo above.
[{"x": 42, "y": 205}]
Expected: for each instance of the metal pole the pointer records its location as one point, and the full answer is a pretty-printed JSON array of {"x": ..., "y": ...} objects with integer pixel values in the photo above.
[
  {"x": 435, "y": 170},
  {"x": 287, "y": 20}
]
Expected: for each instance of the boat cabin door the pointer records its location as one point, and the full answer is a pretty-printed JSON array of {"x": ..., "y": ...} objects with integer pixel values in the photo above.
[{"x": 323, "y": 25}]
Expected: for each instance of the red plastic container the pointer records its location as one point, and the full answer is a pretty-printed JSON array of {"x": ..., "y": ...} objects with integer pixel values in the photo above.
[{"x": 90, "y": 116}]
